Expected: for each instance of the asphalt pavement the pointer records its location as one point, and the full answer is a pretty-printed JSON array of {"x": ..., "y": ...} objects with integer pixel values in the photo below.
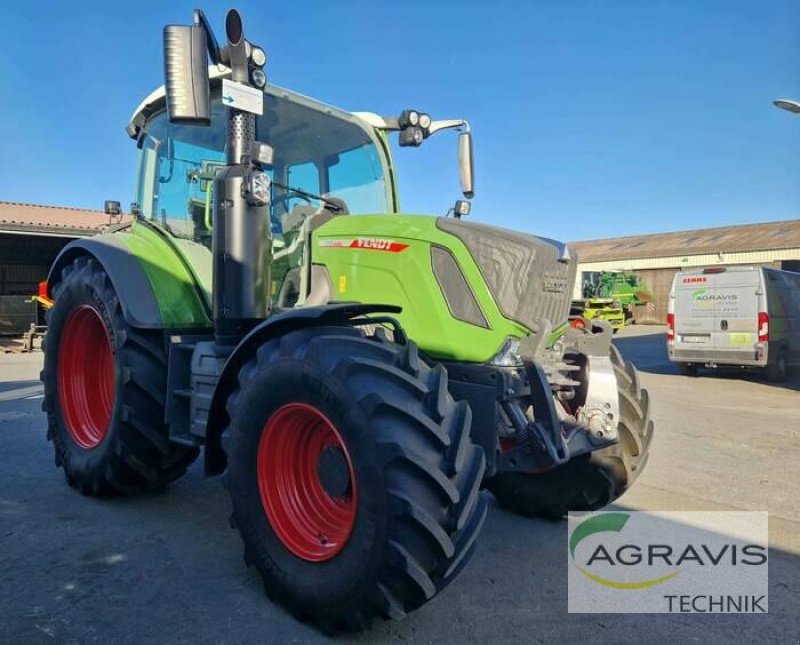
[{"x": 166, "y": 567}]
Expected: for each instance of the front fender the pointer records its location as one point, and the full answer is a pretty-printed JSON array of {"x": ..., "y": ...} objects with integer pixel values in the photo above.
[{"x": 278, "y": 325}]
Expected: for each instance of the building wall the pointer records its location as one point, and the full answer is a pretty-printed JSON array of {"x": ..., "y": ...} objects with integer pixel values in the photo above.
[
  {"x": 677, "y": 261},
  {"x": 25, "y": 261},
  {"x": 660, "y": 282}
]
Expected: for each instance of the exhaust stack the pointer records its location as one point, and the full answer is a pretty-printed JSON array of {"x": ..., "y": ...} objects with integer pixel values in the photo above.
[{"x": 241, "y": 238}]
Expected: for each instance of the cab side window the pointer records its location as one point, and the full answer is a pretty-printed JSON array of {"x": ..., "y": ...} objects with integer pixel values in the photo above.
[{"x": 305, "y": 177}]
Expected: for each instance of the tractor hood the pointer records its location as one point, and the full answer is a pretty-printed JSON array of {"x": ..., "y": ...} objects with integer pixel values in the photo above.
[{"x": 529, "y": 277}]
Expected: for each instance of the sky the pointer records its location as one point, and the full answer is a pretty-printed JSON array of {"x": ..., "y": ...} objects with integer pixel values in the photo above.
[{"x": 591, "y": 118}]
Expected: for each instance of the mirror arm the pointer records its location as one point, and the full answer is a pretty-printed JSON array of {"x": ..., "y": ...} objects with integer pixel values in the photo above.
[
  {"x": 461, "y": 125},
  {"x": 211, "y": 41}
]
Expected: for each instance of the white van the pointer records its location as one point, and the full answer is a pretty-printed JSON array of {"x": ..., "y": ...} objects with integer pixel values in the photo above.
[{"x": 741, "y": 315}]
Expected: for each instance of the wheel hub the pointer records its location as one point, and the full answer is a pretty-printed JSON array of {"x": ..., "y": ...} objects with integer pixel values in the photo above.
[
  {"x": 86, "y": 376},
  {"x": 306, "y": 482},
  {"x": 333, "y": 472}
]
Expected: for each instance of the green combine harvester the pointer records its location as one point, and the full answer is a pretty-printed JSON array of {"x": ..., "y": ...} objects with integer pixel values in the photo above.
[
  {"x": 612, "y": 296},
  {"x": 358, "y": 375},
  {"x": 627, "y": 289}
]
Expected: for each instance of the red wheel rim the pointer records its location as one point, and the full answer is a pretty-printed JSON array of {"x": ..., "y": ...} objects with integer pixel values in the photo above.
[
  {"x": 312, "y": 522},
  {"x": 86, "y": 376}
]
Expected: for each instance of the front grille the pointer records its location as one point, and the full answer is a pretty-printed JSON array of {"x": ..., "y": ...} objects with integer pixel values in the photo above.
[{"x": 530, "y": 277}]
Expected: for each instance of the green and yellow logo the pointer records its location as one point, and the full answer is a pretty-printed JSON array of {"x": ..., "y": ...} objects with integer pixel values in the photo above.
[{"x": 607, "y": 523}]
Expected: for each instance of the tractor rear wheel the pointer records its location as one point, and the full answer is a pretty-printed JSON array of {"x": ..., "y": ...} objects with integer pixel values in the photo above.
[
  {"x": 354, "y": 482},
  {"x": 587, "y": 482},
  {"x": 104, "y": 390}
]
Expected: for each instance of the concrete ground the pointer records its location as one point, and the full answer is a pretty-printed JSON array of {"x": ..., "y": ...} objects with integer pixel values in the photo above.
[{"x": 166, "y": 567}]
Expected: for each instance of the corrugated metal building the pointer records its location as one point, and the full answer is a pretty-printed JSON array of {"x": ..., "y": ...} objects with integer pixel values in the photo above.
[{"x": 656, "y": 258}]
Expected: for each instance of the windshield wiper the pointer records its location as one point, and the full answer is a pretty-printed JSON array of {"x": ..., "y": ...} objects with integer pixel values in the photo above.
[{"x": 297, "y": 191}]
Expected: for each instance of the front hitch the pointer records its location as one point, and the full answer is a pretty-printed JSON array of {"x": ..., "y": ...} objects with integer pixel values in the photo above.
[{"x": 556, "y": 430}]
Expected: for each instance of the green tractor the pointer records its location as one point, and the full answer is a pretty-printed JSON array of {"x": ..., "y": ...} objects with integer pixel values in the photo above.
[{"x": 358, "y": 375}]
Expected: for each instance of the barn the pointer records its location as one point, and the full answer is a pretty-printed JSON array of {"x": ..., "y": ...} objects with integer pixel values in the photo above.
[
  {"x": 657, "y": 257},
  {"x": 31, "y": 236}
]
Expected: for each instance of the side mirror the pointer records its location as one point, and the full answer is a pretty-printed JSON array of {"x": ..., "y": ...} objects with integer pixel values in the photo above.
[
  {"x": 186, "y": 75},
  {"x": 110, "y": 207},
  {"x": 466, "y": 171}
]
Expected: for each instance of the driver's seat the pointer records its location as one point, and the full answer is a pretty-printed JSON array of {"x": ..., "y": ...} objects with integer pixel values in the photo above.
[{"x": 303, "y": 220}]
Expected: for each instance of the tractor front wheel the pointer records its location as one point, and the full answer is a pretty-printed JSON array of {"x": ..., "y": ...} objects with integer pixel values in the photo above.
[
  {"x": 354, "y": 482},
  {"x": 104, "y": 390}
]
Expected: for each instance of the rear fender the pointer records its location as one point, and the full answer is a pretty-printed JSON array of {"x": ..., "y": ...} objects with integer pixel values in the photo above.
[
  {"x": 136, "y": 297},
  {"x": 156, "y": 287}
]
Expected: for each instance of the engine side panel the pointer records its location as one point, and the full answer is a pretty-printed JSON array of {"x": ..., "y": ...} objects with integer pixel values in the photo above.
[{"x": 375, "y": 259}]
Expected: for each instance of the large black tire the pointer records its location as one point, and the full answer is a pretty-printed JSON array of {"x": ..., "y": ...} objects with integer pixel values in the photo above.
[
  {"x": 587, "y": 482},
  {"x": 107, "y": 420},
  {"x": 413, "y": 485}
]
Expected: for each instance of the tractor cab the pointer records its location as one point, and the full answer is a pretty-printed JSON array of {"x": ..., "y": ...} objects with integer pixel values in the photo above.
[{"x": 327, "y": 162}]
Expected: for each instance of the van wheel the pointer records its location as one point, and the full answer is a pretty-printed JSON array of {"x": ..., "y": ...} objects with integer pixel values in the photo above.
[
  {"x": 778, "y": 369},
  {"x": 688, "y": 369}
]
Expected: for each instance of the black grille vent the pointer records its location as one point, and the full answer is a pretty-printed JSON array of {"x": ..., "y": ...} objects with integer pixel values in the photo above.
[
  {"x": 455, "y": 288},
  {"x": 531, "y": 278}
]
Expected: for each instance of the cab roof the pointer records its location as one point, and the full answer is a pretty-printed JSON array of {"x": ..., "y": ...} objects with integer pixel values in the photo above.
[{"x": 155, "y": 101}]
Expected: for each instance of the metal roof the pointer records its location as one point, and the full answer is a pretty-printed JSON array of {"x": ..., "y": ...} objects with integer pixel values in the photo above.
[
  {"x": 724, "y": 239},
  {"x": 53, "y": 220}
]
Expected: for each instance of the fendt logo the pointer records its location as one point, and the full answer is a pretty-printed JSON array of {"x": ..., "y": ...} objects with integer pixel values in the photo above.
[
  {"x": 366, "y": 243},
  {"x": 668, "y": 562},
  {"x": 378, "y": 244}
]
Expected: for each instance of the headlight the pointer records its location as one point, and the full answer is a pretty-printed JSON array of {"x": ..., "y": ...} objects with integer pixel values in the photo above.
[
  {"x": 257, "y": 188},
  {"x": 508, "y": 356},
  {"x": 424, "y": 121},
  {"x": 258, "y": 77},
  {"x": 408, "y": 118},
  {"x": 258, "y": 56},
  {"x": 411, "y": 136}
]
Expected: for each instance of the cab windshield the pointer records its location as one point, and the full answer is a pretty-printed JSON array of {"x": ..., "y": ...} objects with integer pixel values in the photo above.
[{"x": 319, "y": 152}]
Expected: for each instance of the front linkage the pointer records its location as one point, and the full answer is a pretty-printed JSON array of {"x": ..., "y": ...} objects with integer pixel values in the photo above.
[
  {"x": 588, "y": 429},
  {"x": 543, "y": 412}
]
